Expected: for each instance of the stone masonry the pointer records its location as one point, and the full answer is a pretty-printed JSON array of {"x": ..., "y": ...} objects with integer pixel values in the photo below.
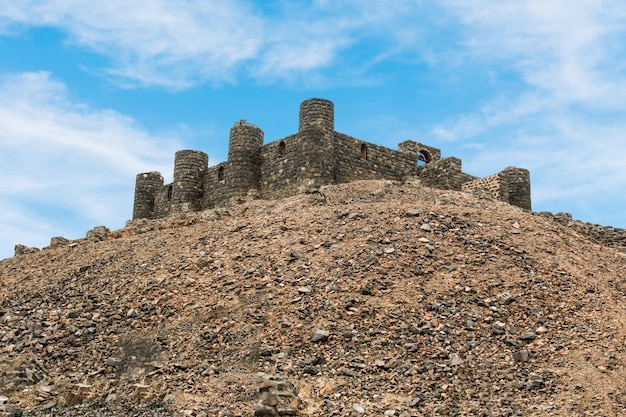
[{"x": 314, "y": 156}]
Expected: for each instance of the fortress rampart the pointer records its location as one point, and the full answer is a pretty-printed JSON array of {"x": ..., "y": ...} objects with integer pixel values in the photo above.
[{"x": 316, "y": 155}]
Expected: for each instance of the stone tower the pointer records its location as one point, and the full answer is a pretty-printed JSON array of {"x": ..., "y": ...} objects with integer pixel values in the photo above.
[
  {"x": 316, "y": 129},
  {"x": 244, "y": 158},
  {"x": 147, "y": 185},
  {"x": 190, "y": 167},
  {"x": 317, "y": 113}
]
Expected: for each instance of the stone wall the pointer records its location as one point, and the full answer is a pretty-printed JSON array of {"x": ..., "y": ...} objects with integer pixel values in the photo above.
[
  {"x": 296, "y": 163},
  {"x": 511, "y": 185},
  {"x": 316, "y": 155},
  {"x": 445, "y": 174},
  {"x": 420, "y": 152},
  {"x": 607, "y": 235},
  {"x": 359, "y": 160},
  {"x": 489, "y": 185}
]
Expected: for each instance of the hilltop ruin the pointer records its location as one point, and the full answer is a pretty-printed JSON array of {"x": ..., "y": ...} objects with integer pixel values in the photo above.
[{"x": 314, "y": 156}]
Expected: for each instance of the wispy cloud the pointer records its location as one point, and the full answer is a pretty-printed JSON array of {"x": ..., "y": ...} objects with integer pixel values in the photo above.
[
  {"x": 178, "y": 44},
  {"x": 172, "y": 44},
  {"x": 568, "y": 49},
  {"x": 568, "y": 122},
  {"x": 68, "y": 158}
]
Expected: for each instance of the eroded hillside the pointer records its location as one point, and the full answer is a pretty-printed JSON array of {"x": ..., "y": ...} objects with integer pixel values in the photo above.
[{"x": 370, "y": 298}]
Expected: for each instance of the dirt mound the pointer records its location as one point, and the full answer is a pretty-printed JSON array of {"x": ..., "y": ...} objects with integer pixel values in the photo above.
[{"x": 369, "y": 298}]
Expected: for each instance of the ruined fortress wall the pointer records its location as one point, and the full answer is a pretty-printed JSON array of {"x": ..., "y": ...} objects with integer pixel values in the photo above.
[
  {"x": 515, "y": 187},
  {"x": 315, "y": 156},
  {"x": 359, "y": 160},
  {"x": 163, "y": 201},
  {"x": 416, "y": 149},
  {"x": 489, "y": 185},
  {"x": 303, "y": 160},
  {"x": 445, "y": 174},
  {"x": 511, "y": 185},
  {"x": 216, "y": 185},
  {"x": 297, "y": 162}
]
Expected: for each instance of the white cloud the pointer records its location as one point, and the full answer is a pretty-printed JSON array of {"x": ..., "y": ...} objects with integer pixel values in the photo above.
[
  {"x": 570, "y": 50},
  {"x": 172, "y": 44},
  {"x": 62, "y": 157},
  {"x": 177, "y": 44},
  {"x": 566, "y": 123}
]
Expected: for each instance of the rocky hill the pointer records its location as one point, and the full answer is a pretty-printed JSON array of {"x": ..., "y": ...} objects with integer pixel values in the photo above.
[{"x": 371, "y": 298}]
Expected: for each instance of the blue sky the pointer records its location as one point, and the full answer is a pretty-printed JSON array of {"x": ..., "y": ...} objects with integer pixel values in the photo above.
[{"x": 92, "y": 93}]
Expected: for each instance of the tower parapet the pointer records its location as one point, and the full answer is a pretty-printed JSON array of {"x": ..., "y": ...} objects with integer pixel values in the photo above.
[
  {"x": 146, "y": 187},
  {"x": 317, "y": 113}
]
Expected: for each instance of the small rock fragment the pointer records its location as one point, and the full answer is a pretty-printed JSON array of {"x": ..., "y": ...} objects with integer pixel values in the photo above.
[
  {"x": 535, "y": 382},
  {"x": 506, "y": 298},
  {"x": 521, "y": 356},
  {"x": 295, "y": 255},
  {"x": 319, "y": 335},
  {"x": 528, "y": 336}
]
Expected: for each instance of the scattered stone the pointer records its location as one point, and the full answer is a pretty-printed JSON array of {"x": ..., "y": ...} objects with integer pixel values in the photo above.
[
  {"x": 144, "y": 225},
  {"x": 426, "y": 227},
  {"x": 191, "y": 311},
  {"x": 505, "y": 298},
  {"x": 295, "y": 255},
  {"x": 412, "y": 212},
  {"x": 58, "y": 241},
  {"x": 358, "y": 408},
  {"x": 98, "y": 234},
  {"x": 3, "y": 403},
  {"x": 277, "y": 398},
  {"x": 455, "y": 359},
  {"x": 24, "y": 250},
  {"x": 521, "y": 356},
  {"x": 319, "y": 335},
  {"x": 527, "y": 336},
  {"x": 535, "y": 383}
]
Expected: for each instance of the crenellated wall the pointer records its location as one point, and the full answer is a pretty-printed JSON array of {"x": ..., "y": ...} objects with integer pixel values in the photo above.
[{"x": 316, "y": 155}]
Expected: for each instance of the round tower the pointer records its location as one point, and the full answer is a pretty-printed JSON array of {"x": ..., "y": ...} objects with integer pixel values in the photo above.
[
  {"x": 147, "y": 185},
  {"x": 190, "y": 168},
  {"x": 317, "y": 113},
  {"x": 244, "y": 157}
]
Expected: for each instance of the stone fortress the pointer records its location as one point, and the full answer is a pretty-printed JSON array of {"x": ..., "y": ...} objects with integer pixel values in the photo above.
[{"x": 314, "y": 156}]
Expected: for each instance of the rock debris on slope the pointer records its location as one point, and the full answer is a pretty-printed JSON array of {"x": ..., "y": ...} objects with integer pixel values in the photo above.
[{"x": 371, "y": 298}]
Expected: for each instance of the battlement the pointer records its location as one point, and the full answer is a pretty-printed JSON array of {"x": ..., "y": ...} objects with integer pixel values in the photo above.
[{"x": 315, "y": 155}]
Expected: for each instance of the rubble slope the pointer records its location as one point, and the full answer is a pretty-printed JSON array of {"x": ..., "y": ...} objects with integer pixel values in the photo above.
[{"x": 369, "y": 298}]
